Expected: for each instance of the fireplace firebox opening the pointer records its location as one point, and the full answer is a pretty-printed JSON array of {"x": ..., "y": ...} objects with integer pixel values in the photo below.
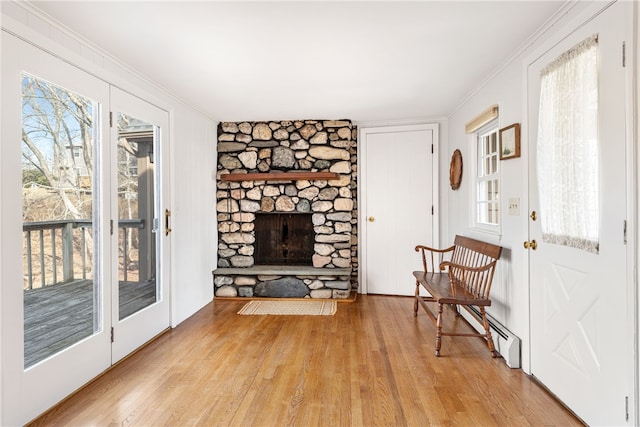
[{"x": 284, "y": 239}]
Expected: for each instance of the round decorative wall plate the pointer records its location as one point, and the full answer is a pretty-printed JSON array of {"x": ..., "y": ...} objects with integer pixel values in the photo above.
[{"x": 455, "y": 170}]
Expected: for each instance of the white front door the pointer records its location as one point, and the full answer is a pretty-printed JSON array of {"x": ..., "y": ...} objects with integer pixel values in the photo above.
[
  {"x": 581, "y": 310},
  {"x": 141, "y": 214},
  {"x": 397, "y": 204}
]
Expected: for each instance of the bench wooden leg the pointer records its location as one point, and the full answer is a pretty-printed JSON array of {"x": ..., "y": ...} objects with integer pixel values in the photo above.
[
  {"x": 485, "y": 323},
  {"x": 439, "y": 330},
  {"x": 417, "y": 295}
]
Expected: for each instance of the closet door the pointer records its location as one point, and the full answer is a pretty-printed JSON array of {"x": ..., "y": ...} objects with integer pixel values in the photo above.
[
  {"x": 55, "y": 245},
  {"x": 397, "y": 170}
]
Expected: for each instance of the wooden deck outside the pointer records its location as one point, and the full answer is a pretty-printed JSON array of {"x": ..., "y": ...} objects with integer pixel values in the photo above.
[
  {"x": 60, "y": 315},
  {"x": 371, "y": 364}
]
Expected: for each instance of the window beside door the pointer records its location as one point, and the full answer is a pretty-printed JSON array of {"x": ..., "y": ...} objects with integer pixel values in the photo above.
[{"x": 486, "y": 174}]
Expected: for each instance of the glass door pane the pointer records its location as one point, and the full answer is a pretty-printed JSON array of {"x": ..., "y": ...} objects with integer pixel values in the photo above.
[
  {"x": 136, "y": 213},
  {"x": 58, "y": 205}
]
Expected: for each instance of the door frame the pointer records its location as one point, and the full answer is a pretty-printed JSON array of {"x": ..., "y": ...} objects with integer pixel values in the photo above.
[
  {"x": 363, "y": 132},
  {"x": 632, "y": 164}
]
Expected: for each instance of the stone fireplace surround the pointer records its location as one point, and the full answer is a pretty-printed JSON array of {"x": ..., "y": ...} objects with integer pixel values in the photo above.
[{"x": 285, "y": 147}]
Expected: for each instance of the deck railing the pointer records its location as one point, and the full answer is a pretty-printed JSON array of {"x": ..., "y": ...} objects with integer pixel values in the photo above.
[{"x": 54, "y": 243}]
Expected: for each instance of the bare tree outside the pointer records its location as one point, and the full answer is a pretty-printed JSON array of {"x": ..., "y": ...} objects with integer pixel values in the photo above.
[
  {"x": 57, "y": 182},
  {"x": 57, "y": 137},
  {"x": 58, "y": 164}
]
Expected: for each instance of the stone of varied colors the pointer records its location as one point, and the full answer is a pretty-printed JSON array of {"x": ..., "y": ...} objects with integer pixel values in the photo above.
[
  {"x": 287, "y": 287},
  {"x": 288, "y": 146},
  {"x": 244, "y": 128},
  {"x": 262, "y": 132},
  {"x": 307, "y": 131},
  {"x": 240, "y": 137},
  {"x": 229, "y": 127},
  {"x": 249, "y": 159},
  {"x": 228, "y": 147},
  {"x": 226, "y": 291},
  {"x": 329, "y": 153},
  {"x": 319, "y": 138}
]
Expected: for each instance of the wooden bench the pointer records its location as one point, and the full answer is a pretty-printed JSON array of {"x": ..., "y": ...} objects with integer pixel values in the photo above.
[{"x": 460, "y": 275}]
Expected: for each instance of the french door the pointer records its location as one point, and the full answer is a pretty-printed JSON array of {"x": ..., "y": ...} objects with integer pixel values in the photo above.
[
  {"x": 140, "y": 303},
  {"x": 55, "y": 290},
  {"x": 83, "y": 197},
  {"x": 581, "y": 308}
]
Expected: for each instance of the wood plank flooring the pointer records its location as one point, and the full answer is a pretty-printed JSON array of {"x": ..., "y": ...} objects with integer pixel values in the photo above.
[{"x": 371, "y": 364}]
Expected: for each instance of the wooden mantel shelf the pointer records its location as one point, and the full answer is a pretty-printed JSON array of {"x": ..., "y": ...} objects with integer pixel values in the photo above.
[{"x": 278, "y": 176}]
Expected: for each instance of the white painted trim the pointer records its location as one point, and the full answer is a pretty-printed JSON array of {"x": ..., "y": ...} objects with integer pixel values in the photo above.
[
  {"x": 525, "y": 353},
  {"x": 633, "y": 165},
  {"x": 362, "y": 189},
  {"x": 399, "y": 122}
]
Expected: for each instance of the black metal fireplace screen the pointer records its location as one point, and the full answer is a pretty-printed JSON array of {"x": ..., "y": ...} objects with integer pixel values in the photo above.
[{"x": 284, "y": 239}]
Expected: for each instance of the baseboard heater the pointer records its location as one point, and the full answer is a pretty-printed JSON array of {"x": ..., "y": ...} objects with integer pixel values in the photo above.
[{"x": 507, "y": 344}]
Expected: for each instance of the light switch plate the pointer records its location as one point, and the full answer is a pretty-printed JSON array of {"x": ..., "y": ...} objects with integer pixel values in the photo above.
[{"x": 514, "y": 206}]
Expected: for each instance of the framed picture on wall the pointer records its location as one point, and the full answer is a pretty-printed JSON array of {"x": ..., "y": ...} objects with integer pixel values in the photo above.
[{"x": 510, "y": 142}]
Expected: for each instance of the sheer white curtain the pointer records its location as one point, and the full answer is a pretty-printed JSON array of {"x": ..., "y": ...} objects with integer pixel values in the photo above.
[{"x": 567, "y": 148}]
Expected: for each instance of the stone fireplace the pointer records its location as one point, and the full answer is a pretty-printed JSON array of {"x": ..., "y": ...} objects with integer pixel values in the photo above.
[{"x": 286, "y": 209}]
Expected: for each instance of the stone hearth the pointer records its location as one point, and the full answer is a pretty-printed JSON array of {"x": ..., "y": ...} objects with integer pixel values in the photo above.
[{"x": 287, "y": 146}]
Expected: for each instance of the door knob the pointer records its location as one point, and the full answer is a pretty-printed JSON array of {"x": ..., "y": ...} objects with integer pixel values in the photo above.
[
  {"x": 531, "y": 245},
  {"x": 533, "y": 215},
  {"x": 371, "y": 219}
]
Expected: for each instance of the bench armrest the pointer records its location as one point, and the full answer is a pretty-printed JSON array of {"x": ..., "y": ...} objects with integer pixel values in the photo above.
[{"x": 425, "y": 265}]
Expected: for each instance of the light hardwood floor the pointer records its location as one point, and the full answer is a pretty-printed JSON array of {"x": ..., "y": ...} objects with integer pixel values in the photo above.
[{"x": 371, "y": 364}]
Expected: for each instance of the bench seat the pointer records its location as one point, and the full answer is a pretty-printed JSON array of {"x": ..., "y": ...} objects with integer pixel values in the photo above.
[{"x": 440, "y": 290}]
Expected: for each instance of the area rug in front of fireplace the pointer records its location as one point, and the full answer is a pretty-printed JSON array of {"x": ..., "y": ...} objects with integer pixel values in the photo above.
[{"x": 290, "y": 308}]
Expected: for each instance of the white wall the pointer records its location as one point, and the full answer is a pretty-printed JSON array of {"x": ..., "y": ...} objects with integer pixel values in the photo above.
[
  {"x": 509, "y": 288},
  {"x": 194, "y": 251}
]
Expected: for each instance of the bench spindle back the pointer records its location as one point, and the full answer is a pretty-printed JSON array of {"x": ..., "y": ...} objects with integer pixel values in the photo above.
[{"x": 476, "y": 278}]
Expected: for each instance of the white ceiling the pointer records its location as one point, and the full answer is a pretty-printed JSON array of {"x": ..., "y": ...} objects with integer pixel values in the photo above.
[{"x": 364, "y": 61}]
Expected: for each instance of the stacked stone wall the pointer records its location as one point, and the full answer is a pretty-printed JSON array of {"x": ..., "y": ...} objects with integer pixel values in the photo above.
[{"x": 304, "y": 145}]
